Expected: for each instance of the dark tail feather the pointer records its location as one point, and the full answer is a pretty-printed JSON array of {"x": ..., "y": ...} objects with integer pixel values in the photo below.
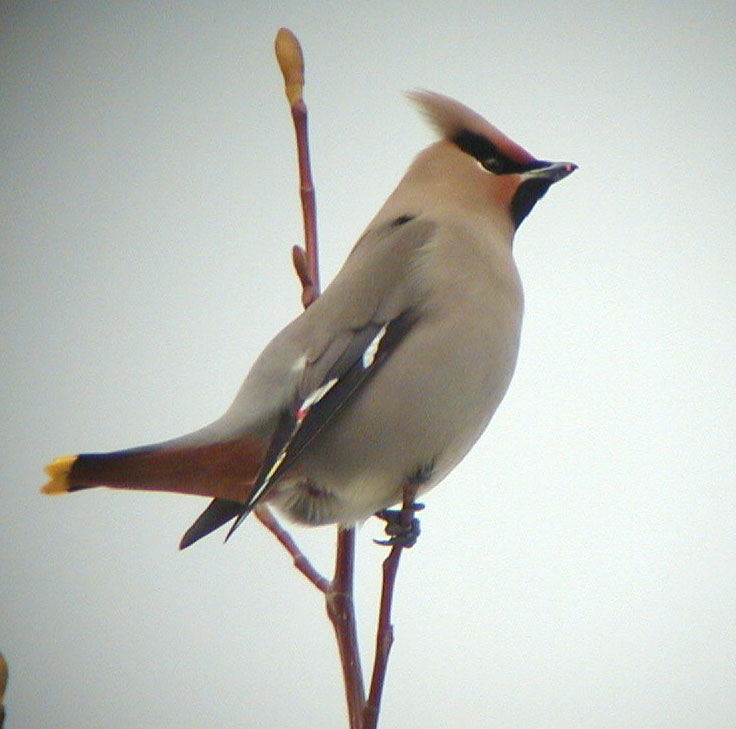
[{"x": 214, "y": 516}]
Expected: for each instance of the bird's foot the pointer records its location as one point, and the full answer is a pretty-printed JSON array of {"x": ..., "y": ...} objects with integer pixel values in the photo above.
[{"x": 402, "y": 527}]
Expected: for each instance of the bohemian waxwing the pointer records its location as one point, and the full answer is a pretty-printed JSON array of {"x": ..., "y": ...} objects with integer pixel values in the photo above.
[{"x": 391, "y": 376}]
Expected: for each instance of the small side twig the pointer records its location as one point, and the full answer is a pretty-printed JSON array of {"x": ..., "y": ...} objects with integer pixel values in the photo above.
[{"x": 266, "y": 517}]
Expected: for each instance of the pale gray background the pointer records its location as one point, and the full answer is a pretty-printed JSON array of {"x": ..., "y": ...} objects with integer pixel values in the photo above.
[{"x": 579, "y": 568}]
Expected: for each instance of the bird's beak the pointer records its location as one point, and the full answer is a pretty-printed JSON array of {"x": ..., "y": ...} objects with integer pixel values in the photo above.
[
  {"x": 534, "y": 183},
  {"x": 551, "y": 172}
]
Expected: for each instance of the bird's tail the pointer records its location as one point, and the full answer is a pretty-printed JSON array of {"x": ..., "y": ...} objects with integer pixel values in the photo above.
[{"x": 223, "y": 470}]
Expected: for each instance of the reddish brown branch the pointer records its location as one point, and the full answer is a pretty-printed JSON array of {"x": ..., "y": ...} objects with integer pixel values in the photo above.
[
  {"x": 300, "y": 560},
  {"x": 341, "y": 610},
  {"x": 310, "y": 287},
  {"x": 385, "y": 631},
  {"x": 339, "y": 593},
  {"x": 291, "y": 61}
]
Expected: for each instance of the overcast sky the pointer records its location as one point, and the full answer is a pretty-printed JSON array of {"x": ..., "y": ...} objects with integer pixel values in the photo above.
[{"x": 577, "y": 570}]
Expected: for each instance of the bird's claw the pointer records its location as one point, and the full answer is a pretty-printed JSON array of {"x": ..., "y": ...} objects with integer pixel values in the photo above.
[{"x": 401, "y": 532}]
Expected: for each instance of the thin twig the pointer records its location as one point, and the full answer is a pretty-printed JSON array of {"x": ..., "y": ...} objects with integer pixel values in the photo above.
[
  {"x": 266, "y": 517},
  {"x": 306, "y": 262},
  {"x": 341, "y": 610},
  {"x": 339, "y": 595},
  {"x": 311, "y": 291},
  {"x": 385, "y": 631}
]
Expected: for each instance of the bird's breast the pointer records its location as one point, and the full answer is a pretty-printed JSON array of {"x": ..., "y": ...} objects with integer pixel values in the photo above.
[{"x": 422, "y": 410}]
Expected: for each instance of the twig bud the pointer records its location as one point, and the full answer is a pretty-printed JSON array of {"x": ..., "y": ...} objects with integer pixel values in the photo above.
[{"x": 291, "y": 63}]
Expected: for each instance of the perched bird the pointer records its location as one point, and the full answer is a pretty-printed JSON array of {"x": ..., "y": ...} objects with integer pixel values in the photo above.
[{"x": 390, "y": 376}]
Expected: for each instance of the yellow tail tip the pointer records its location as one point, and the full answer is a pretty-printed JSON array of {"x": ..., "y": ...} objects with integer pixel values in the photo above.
[{"x": 58, "y": 471}]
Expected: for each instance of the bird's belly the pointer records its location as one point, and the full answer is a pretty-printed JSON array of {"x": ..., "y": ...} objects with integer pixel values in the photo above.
[{"x": 412, "y": 422}]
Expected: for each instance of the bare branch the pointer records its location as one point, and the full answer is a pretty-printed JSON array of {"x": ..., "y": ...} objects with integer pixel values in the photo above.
[
  {"x": 341, "y": 610},
  {"x": 385, "y": 632},
  {"x": 264, "y": 515},
  {"x": 339, "y": 595},
  {"x": 291, "y": 62}
]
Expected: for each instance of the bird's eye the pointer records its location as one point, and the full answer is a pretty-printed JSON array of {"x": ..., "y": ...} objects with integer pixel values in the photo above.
[{"x": 492, "y": 164}]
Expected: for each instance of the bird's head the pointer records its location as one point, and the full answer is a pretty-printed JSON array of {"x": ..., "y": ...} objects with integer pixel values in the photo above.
[{"x": 475, "y": 161}]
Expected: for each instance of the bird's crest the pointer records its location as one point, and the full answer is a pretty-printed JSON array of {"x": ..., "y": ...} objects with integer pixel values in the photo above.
[{"x": 454, "y": 120}]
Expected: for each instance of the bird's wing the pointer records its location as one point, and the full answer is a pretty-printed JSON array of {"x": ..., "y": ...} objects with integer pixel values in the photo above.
[
  {"x": 341, "y": 340},
  {"x": 362, "y": 318},
  {"x": 300, "y": 425}
]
